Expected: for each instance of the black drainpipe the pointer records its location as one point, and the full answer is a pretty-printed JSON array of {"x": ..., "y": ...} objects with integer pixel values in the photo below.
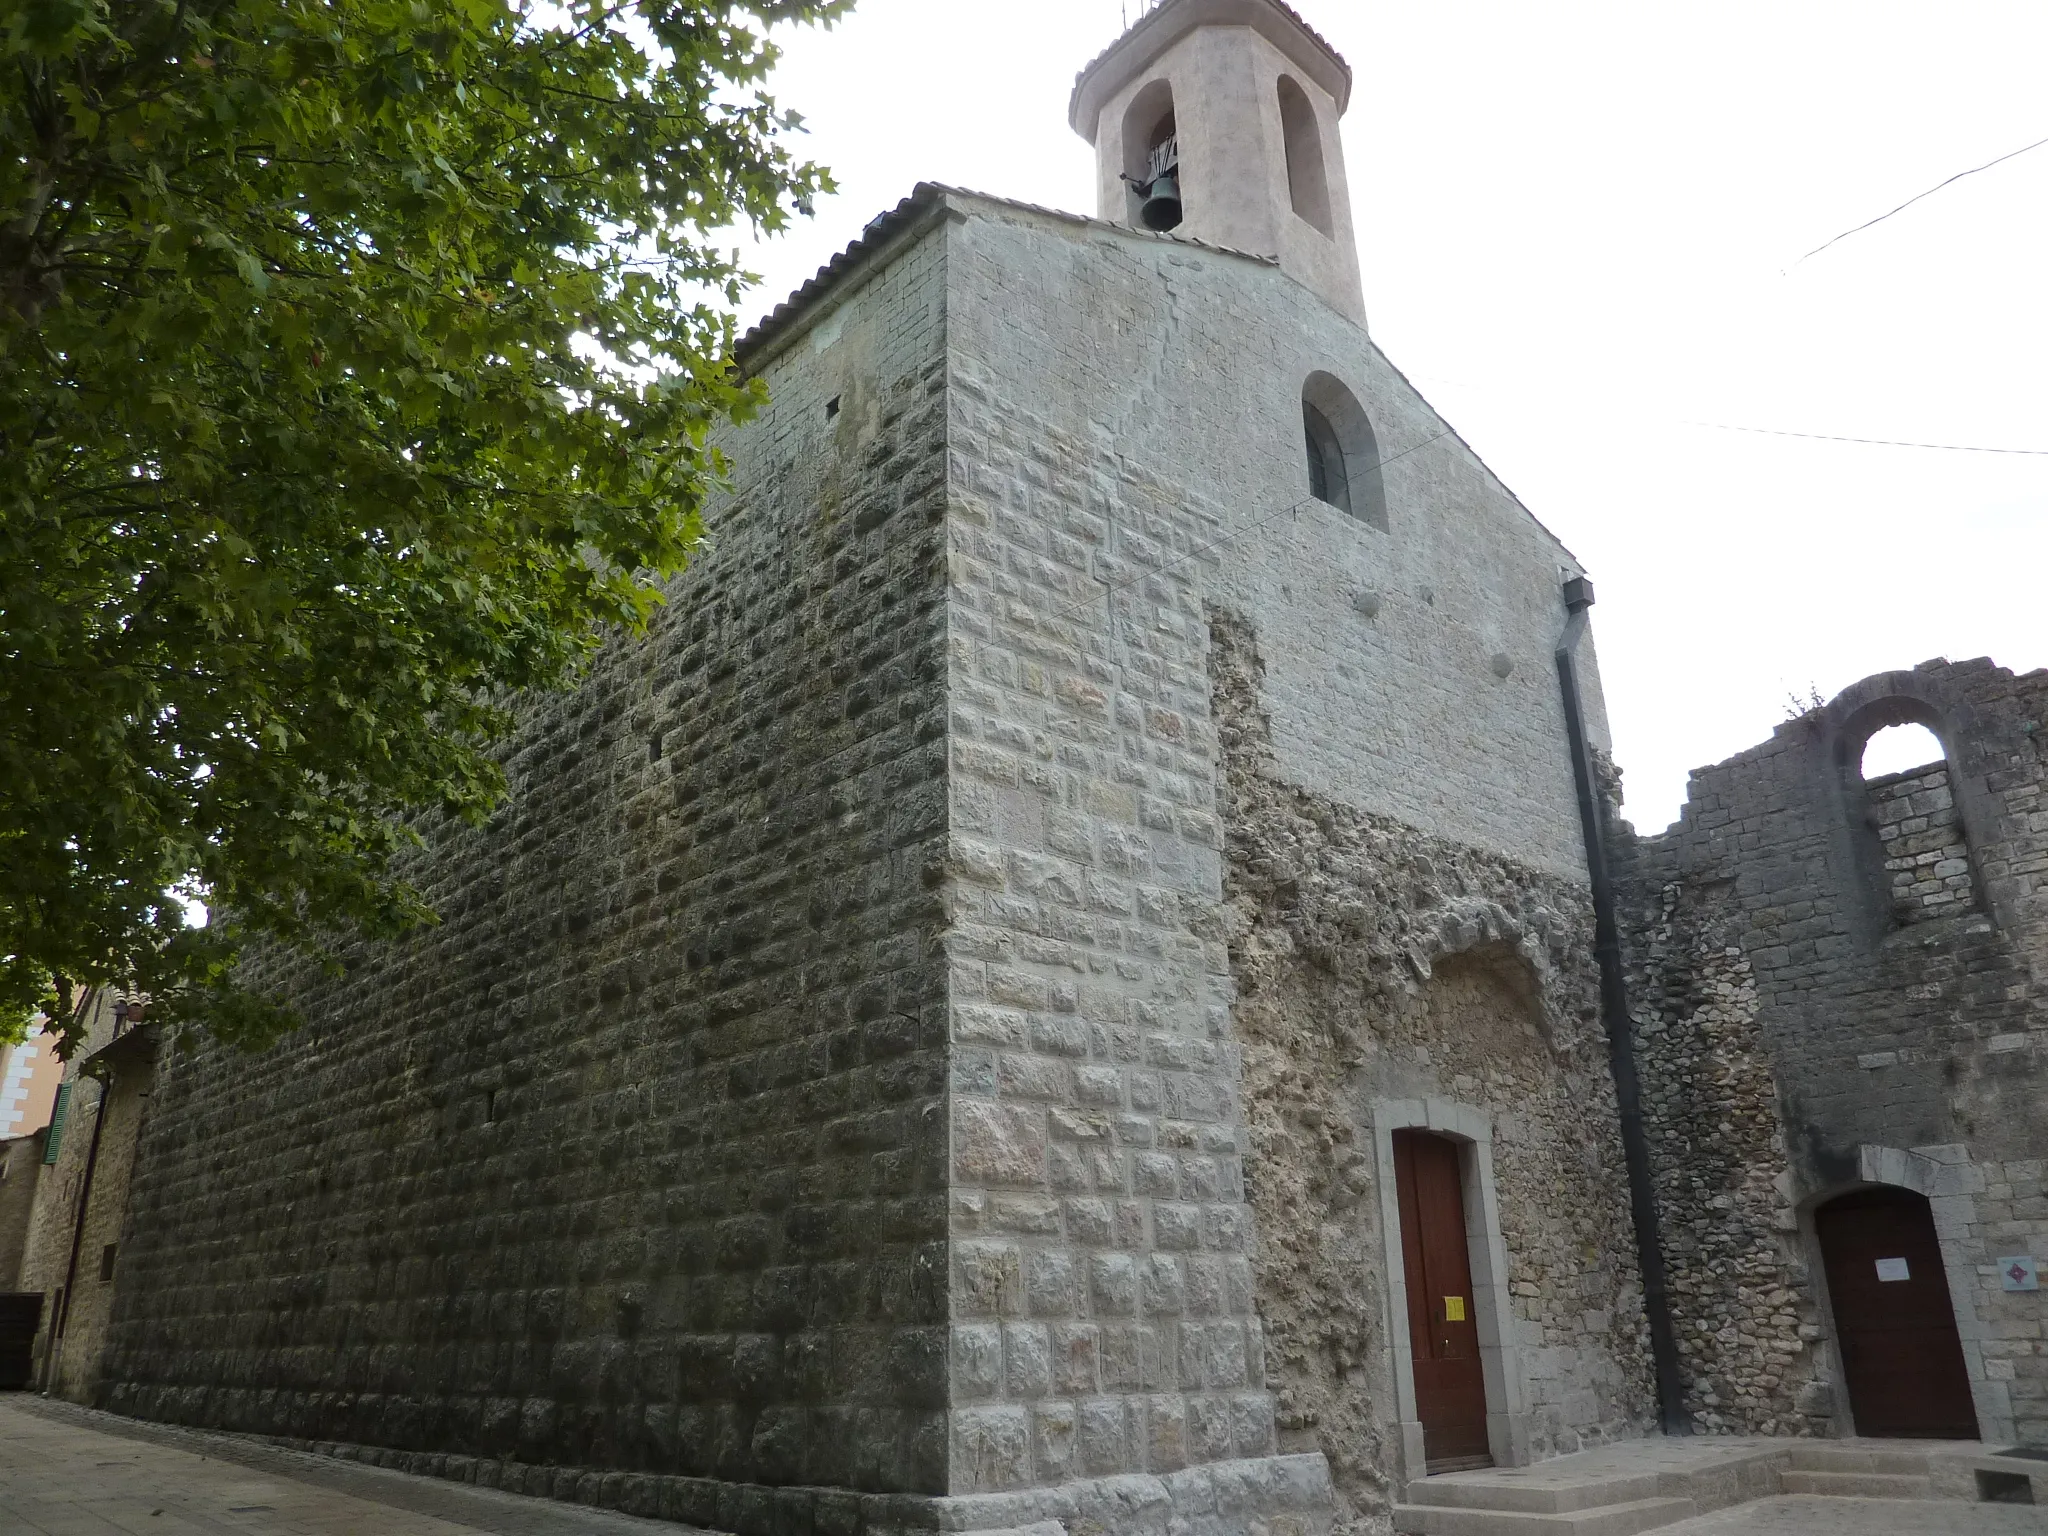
[{"x": 1621, "y": 1050}]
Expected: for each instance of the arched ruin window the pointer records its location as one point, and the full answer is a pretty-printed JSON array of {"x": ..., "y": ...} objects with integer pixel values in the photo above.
[
  {"x": 1342, "y": 450},
  {"x": 1151, "y": 151},
  {"x": 1307, "y": 183},
  {"x": 1897, "y": 748},
  {"x": 1909, "y": 805}
]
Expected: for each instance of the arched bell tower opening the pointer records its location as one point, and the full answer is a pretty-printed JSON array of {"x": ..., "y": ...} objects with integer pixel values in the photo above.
[
  {"x": 1151, "y": 143},
  {"x": 1249, "y": 98},
  {"x": 1308, "y": 186}
]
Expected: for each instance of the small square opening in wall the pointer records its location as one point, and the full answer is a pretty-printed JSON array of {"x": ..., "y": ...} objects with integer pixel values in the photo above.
[
  {"x": 832, "y": 407},
  {"x": 2005, "y": 1488},
  {"x": 107, "y": 1261}
]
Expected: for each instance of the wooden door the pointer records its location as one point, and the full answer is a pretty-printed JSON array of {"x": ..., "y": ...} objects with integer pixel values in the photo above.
[
  {"x": 1450, "y": 1387},
  {"x": 1893, "y": 1319}
]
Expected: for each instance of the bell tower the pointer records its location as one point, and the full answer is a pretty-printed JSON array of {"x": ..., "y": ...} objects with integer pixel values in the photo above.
[{"x": 1217, "y": 119}]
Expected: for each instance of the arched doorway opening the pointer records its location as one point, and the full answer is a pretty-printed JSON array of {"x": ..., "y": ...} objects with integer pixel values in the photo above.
[
  {"x": 1443, "y": 1323},
  {"x": 1902, "y": 1359}
]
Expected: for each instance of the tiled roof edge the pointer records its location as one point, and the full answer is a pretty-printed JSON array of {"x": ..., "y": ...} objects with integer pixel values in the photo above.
[{"x": 888, "y": 225}]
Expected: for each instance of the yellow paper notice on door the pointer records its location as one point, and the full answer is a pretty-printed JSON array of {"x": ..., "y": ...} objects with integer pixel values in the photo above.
[{"x": 1454, "y": 1309}]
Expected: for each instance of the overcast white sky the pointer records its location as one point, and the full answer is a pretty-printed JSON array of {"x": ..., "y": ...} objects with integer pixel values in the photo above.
[{"x": 1580, "y": 225}]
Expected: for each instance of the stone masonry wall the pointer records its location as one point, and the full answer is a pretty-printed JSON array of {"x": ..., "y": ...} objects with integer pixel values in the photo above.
[
  {"x": 1914, "y": 816},
  {"x": 1375, "y": 962},
  {"x": 1127, "y": 454},
  {"x": 1764, "y": 937},
  {"x": 1411, "y": 667},
  {"x": 826, "y": 1073},
  {"x": 1103, "y": 1297},
  {"x": 636, "y": 1161}
]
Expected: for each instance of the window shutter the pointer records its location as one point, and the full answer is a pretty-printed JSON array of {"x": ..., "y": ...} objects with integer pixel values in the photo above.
[{"x": 56, "y": 1136}]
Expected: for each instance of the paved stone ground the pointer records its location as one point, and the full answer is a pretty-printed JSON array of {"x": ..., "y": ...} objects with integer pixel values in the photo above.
[
  {"x": 1804, "y": 1514},
  {"x": 66, "y": 1471}
]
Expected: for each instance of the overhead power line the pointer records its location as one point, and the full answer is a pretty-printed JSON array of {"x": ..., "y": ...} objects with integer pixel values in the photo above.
[
  {"x": 1875, "y": 442},
  {"x": 1909, "y": 202}
]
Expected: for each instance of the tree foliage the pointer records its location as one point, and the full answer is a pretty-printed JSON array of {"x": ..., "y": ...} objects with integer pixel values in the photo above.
[{"x": 356, "y": 364}]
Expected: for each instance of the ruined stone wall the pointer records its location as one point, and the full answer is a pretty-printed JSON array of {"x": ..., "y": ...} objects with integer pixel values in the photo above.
[
  {"x": 1375, "y": 963},
  {"x": 1800, "y": 1039},
  {"x": 1747, "y": 1319},
  {"x": 636, "y": 1160}
]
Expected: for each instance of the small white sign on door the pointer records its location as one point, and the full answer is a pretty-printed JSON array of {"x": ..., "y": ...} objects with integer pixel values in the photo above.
[
  {"x": 2019, "y": 1272},
  {"x": 1893, "y": 1269}
]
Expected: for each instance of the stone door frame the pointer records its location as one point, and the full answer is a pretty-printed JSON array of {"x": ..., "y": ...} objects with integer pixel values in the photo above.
[
  {"x": 1950, "y": 1182},
  {"x": 1507, "y": 1409}
]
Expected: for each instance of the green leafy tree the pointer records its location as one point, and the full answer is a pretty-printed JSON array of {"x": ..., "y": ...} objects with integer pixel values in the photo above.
[{"x": 356, "y": 364}]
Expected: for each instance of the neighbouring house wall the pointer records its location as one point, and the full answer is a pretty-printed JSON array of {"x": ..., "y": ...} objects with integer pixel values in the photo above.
[
  {"x": 28, "y": 1085},
  {"x": 1809, "y": 1023},
  {"x": 21, "y": 1166},
  {"x": 636, "y": 1159},
  {"x": 109, "y": 1110},
  {"x": 53, "y": 1224}
]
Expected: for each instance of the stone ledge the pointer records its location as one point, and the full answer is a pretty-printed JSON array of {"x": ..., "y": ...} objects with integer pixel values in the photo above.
[{"x": 1274, "y": 1495}]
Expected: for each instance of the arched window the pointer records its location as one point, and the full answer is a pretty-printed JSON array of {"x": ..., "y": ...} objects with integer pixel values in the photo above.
[
  {"x": 1909, "y": 805},
  {"x": 1327, "y": 477},
  {"x": 1151, "y": 150},
  {"x": 1307, "y": 183},
  {"x": 1343, "y": 452},
  {"x": 1897, "y": 748}
]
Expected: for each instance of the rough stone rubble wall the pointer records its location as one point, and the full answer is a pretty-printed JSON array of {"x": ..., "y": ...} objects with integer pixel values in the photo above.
[
  {"x": 636, "y": 1161},
  {"x": 1791, "y": 1026},
  {"x": 1746, "y": 1315},
  {"x": 1374, "y": 962}
]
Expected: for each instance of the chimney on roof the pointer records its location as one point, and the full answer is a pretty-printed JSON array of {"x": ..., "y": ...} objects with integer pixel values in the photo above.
[{"x": 1217, "y": 119}]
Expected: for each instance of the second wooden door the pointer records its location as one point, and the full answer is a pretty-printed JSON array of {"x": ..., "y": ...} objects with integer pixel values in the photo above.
[
  {"x": 1450, "y": 1384},
  {"x": 1893, "y": 1316}
]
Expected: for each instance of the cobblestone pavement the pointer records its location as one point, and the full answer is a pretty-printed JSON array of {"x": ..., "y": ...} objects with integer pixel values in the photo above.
[
  {"x": 1803, "y": 1514},
  {"x": 65, "y": 1471}
]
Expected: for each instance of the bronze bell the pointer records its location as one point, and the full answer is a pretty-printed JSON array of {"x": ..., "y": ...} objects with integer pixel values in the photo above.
[{"x": 1160, "y": 209}]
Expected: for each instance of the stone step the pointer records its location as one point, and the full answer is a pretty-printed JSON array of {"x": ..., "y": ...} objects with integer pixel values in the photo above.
[
  {"x": 1608, "y": 1520},
  {"x": 1857, "y": 1485},
  {"x": 1811, "y": 1456},
  {"x": 1481, "y": 1492}
]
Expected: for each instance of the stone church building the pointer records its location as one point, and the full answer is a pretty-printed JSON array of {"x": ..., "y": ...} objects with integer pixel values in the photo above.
[{"x": 1064, "y": 980}]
